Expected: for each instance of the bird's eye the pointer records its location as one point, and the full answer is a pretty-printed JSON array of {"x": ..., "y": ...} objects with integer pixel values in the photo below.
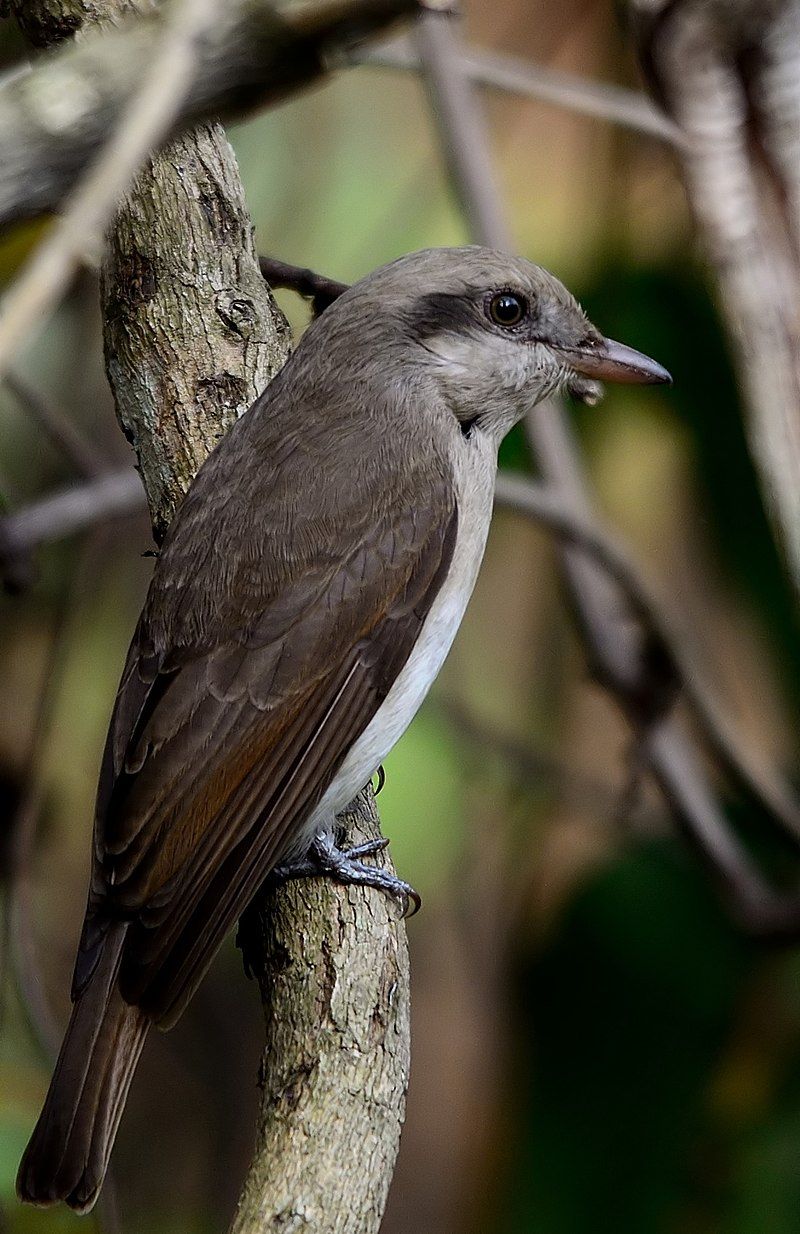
[{"x": 507, "y": 309}]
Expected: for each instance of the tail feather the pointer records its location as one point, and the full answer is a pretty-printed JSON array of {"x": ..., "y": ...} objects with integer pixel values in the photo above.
[{"x": 67, "y": 1156}]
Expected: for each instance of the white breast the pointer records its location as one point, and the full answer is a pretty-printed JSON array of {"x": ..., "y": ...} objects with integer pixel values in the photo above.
[{"x": 474, "y": 478}]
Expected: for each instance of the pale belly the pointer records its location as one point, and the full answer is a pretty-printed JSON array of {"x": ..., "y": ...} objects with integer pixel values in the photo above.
[{"x": 475, "y": 486}]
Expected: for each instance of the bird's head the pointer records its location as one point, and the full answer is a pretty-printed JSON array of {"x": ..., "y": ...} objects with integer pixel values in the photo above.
[{"x": 497, "y": 333}]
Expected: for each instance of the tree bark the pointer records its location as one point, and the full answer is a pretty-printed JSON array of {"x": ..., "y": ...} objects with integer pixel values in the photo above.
[
  {"x": 192, "y": 335},
  {"x": 335, "y": 986}
]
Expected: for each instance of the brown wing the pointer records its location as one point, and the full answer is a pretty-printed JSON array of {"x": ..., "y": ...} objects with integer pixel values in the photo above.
[{"x": 222, "y": 743}]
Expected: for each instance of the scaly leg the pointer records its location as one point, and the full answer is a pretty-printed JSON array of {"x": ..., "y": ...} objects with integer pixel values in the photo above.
[{"x": 345, "y": 866}]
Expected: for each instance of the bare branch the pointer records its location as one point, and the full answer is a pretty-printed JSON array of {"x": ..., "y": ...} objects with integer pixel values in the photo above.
[
  {"x": 335, "y": 986},
  {"x": 668, "y": 642},
  {"x": 71, "y": 510},
  {"x": 512, "y": 75},
  {"x": 533, "y": 768},
  {"x": 18, "y": 910},
  {"x": 23, "y": 825},
  {"x": 55, "y": 119},
  {"x": 464, "y": 140},
  {"x": 59, "y": 428},
  {"x": 147, "y": 118},
  {"x": 319, "y": 290},
  {"x": 767, "y": 914}
]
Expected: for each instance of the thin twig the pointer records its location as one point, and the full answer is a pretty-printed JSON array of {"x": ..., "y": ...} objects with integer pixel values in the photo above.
[
  {"x": 60, "y": 515},
  {"x": 319, "y": 290},
  {"x": 18, "y": 915},
  {"x": 767, "y": 914},
  {"x": 532, "y": 766},
  {"x": 80, "y": 451},
  {"x": 16, "y": 567},
  {"x": 149, "y": 116},
  {"x": 499, "y": 71},
  {"x": 23, "y": 951}
]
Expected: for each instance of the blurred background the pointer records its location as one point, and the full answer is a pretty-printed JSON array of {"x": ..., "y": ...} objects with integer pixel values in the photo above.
[{"x": 596, "y": 1046}]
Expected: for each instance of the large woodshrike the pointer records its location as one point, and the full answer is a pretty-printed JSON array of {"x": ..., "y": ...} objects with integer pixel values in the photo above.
[{"x": 306, "y": 595}]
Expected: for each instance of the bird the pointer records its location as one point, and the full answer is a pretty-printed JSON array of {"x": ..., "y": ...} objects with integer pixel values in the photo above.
[{"x": 304, "y": 599}]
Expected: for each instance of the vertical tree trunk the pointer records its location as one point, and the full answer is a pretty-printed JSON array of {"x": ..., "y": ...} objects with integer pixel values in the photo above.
[{"x": 192, "y": 335}]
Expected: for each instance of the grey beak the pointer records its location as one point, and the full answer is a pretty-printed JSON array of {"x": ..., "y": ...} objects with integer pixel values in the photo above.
[{"x": 610, "y": 361}]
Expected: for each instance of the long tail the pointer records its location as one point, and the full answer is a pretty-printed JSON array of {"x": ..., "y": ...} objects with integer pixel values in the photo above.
[{"x": 67, "y": 1156}]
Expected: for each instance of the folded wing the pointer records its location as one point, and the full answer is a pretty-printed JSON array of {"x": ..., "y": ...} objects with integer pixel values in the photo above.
[{"x": 222, "y": 745}]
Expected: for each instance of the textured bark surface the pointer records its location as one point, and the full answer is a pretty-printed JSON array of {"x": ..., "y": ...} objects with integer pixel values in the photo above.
[
  {"x": 728, "y": 72},
  {"x": 45, "y": 22},
  {"x": 334, "y": 1076},
  {"x": 192, "y": 335}
]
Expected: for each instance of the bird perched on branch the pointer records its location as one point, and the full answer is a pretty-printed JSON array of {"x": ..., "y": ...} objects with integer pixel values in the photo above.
[{"x": 307, "y": 593}]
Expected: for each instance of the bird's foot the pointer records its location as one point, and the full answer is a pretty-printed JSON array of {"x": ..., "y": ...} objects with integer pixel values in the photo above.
[{"x": 344, "y": 865}]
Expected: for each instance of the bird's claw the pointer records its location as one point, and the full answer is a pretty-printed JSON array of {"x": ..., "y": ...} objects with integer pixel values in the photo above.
[{"x": 345, "y": 866}]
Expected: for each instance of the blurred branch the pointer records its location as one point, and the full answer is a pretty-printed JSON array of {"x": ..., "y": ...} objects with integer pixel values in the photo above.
[
  {"x": 668, "y": 644},
  {"x": 460, "y": 122},
  {"x": 72, "y": 509},
  {"x": 18, "y": 912},
  {"x": 80, "y": 451},
  {"x": 146, "y": 119},
  {"x": 57, "y": 117},
  {"x": 621, "y": 655},
  {"x": 532, "y": 766},
  {"x": 513, "y": 75},
  {"x": 19, "y": 916},
  {"x": 26, "y": 818},
  {"x": 633, "y": 668},
  {"x": 728, "y": 74}
]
